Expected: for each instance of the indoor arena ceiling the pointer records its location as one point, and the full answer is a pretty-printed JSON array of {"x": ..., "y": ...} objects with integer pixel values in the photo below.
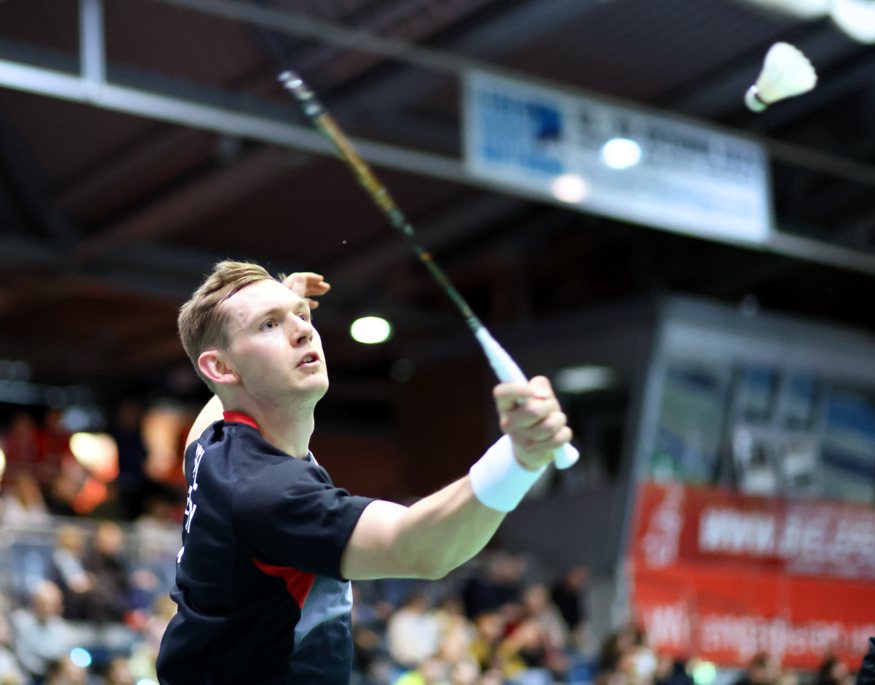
[{"x": 122, "y": 180}]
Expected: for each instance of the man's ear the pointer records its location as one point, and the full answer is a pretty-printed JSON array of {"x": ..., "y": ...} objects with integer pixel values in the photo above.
[{"x": 214, "y": 367}]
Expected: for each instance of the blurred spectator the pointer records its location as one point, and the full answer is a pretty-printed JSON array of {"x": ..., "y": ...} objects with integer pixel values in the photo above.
[
  {"x": 866, "y": 675},
  {"x": 762, "y": 670},
  {"x": 68, "y": 572},
  {"x": 23, "y": 503},
  {"x": 670, "y": 671},
  {"x": 11, "y": 672},
  {"x": 429, "y": 672},
  {"x": 539, "y": 608},
  {"x": 54, "y": 445},
  {"x": 489, "y": 631},
  {"x": 524, "y": 650},
  {"x": 457, "y": 633},
  {"x": 63, "y": 489},
  {"x": 65, "y": 672},
  {"x": 132, "y": 482},
  {"x": 158, "y": 539},
  {"x": 500, "y": 586},
  {"x": 638, "y": 663},
  {"x": 22, "y": 446},
  {"x": 106, "y": 564},
  {"x": 41, "y": 635},
  {"x": 569, "y": 595},
  {"x": 832, "y": 671},
  {"x": 413, "y": 632},
  {"x": 119, "y": 672}
]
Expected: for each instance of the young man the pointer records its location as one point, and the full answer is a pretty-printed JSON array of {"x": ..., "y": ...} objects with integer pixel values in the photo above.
[{"x": 269, "y": 543}]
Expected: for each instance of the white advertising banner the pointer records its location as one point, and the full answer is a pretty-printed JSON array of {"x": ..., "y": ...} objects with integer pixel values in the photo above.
[{"x": 614, "y": 161}]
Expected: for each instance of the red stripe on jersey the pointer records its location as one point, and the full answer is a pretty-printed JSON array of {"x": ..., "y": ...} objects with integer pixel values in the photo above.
[
  {"x": 298, "y": 583},
  {"x": 240, "y": 417}
]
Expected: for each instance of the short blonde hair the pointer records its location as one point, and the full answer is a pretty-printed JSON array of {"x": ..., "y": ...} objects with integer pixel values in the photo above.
[{"x": 202, "y": 320}]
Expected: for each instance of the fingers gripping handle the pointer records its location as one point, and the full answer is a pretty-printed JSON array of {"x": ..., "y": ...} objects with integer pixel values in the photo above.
[{"x": 507, "y": 370}]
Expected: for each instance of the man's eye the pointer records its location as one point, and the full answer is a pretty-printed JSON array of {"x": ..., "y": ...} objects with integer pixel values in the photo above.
[
  {"x": 305, "y": 316},
  {"x": 267, "y": 325}
]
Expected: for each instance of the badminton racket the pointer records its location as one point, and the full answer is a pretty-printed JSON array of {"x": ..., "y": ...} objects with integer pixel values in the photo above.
[{"x": 505, "y": 368}]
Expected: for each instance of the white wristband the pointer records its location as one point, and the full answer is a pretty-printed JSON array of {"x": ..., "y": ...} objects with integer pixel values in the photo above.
[{"x": 499, "y": 481}]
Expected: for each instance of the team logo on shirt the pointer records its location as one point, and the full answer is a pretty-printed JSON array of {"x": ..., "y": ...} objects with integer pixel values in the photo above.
[{"x": 190, "y": 506}]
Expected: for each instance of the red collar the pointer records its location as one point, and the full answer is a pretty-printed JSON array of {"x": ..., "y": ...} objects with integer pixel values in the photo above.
[{"x": 240, "y": 417}]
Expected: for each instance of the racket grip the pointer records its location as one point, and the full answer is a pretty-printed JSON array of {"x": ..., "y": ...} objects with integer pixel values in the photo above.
[{"x": 507, "y": 370}]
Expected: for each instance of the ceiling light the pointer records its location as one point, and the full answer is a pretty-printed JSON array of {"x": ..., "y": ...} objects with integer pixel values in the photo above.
[
  {"x": 370, "y": 330},
  {"x": 582, "y": 379},
  {"x": 621, "y": 153},
  {"x": 856, "y": 18},
  {"x": 570, "y": 188}
]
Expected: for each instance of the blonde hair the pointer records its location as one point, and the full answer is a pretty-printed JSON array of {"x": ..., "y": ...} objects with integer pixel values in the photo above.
[{"x": 202, "y": 320}]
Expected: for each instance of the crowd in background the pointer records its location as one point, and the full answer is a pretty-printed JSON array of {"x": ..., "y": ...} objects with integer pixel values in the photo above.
[{"x": 85, "y": 576}]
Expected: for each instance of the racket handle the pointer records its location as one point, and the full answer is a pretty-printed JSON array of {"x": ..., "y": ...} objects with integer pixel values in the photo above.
[{"x": 507, "y": 370}]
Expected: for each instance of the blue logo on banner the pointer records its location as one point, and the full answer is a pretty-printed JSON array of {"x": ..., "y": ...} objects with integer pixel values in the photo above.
[{"x": 520, "y": 133}]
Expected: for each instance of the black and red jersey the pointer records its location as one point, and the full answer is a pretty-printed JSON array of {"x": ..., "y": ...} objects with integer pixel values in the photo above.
[{"x": 260, "y": 597}]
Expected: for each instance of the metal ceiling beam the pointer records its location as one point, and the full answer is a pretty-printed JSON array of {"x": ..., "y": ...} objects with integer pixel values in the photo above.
[
  {"x": 201, "y": 115},
  {"x": 196, "y": 201},
  {"x": 93, "y": 90},
  {"x": 448, "y": 62},
  {"x": 27, "y": 181}
]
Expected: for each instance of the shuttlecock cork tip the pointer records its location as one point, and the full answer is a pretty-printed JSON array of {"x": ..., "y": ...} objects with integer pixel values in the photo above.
[{"x": 786, "y": 72}]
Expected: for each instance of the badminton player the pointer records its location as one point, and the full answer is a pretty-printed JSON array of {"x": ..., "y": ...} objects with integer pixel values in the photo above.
[{"x": 269, "y": 543}]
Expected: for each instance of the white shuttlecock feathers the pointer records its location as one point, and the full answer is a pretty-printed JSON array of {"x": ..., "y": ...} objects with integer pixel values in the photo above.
[{"x": 786, "y": 72}]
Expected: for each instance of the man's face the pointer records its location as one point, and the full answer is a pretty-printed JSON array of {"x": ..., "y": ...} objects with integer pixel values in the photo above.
[{"x": 273, "y": 345}]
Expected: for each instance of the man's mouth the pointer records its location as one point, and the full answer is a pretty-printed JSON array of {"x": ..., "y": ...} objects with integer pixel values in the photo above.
[{"x": 309, "y": 358}]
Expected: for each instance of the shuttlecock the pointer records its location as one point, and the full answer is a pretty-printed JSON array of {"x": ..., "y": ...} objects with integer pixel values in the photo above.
[{"x": 786, "y": 72}]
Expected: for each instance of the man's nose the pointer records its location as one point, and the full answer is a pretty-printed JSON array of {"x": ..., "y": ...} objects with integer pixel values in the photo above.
[{"x": 303, "y": 332}]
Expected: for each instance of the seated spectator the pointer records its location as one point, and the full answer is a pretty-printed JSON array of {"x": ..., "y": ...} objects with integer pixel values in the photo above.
[
  {"x": 54, "y": 446},
  {"x": 762, "y": 670},
  {"x": 457, "y": 633},
  {"x": 539, "y": 608},
  {"x": 489, "y": 630},
  {"x": 93, "y": 580},
  {"x": 21, "y": 443},
  {"x": 569, "y": 595},
  {"x": 68, "y": 572},
  {"x": 500, "y": 586},
  {"x": 11, "y": 672},
  {"x": 524, "y": 655},
  {"x": 832, "y": 671},
  {"x": 23, "y": 503},
  {"x": 40, "y": 635},
  {"x": 132, "y": 482},
  {"x": 106, "y": 564},
  {"x": 65, "y": 672},
  {"x": 413, "y": 632},
  {"x": 671, "y": 671},
  {"x": 119, "y": 672},
  {"x": 430, "y": 672}
]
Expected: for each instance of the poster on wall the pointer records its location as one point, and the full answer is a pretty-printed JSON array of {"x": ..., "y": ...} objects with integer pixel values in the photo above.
[
  {"x": 722, "y": 576},
  {"x": 616, "y": 161}
]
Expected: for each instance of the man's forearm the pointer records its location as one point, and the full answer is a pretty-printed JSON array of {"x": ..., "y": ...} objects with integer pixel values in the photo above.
[
  {"x": 449, "y": 527},
  {"x": 426, "y": 540}
]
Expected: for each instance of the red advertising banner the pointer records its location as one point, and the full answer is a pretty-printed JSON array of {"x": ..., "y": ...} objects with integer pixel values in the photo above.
[
  {"x": 723, "y": 576},
  {"x": 715, "y": 526}
]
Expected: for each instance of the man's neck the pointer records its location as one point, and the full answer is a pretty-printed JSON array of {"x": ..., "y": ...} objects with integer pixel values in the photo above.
[{"x": 286, "y": 427}]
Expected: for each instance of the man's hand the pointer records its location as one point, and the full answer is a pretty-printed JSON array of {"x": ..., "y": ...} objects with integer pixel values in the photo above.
[
  {"x": 530, "y": 414},
  {"x": 307, "y": 285}
]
